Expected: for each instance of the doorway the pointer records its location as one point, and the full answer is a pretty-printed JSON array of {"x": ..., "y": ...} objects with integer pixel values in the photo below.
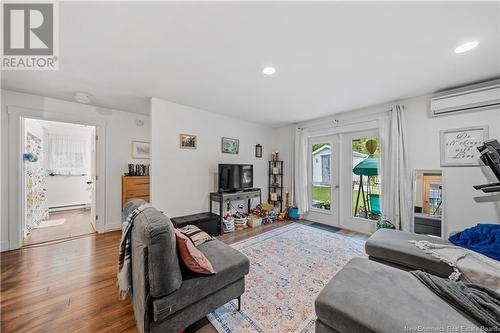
[
  {"x": 59, "y": 164},
  {"x": 344, "y": 179},
  {"x": 323, "y": 179}
]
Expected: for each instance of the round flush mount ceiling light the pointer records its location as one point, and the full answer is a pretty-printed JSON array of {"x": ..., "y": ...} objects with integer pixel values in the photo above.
[
  {"x": 269, "y": 71},
  {"x": 466, "y": 47},
  {"x": 82, "y": 97}
]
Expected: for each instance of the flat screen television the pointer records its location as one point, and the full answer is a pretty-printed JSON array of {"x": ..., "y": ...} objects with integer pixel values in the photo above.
[{"x": 234, "y": 177}]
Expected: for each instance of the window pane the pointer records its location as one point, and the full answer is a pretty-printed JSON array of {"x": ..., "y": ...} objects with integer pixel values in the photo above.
[
  {"x": 435, "y": 199},
  {"x": 321, "y": 176},
  {"x": 431, "y": 194},
  {"x": 365, "y": 177}
]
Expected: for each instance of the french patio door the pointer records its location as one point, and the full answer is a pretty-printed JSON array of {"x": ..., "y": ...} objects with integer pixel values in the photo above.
[{"x": 323, "y": 171}]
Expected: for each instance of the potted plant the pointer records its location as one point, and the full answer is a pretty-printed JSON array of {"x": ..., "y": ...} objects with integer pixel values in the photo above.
[
  {"x": 293, "y": 212},
  {"x": 384, "y": 223}
]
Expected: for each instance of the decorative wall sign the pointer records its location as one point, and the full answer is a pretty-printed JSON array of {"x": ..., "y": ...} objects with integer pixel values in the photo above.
[
  {"x": 230, "y": 146},
  {"x": 459, "y": 146},
  {"x": 188, "y": 141},
  {"x": 140, "y": 149}
]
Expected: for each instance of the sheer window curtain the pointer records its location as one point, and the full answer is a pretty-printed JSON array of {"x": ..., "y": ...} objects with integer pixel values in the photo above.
[
  {"x": 301, "y": 188},
  {"x": 397, "y": 180},
  {"x": 67, "y": 155}
]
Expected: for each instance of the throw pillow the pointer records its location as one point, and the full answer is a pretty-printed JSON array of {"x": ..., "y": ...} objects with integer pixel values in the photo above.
[
  {"x": 193, "y": 259},
  {"x": 195, "y": 234}
]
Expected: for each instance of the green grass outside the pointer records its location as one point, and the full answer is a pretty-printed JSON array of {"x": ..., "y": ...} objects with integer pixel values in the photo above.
[{"x": 323, "y": 193}]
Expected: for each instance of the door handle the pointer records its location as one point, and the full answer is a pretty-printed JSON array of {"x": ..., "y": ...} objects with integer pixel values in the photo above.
[
  {"x": 88, "y": 183},
  {"x": 336, "y": 186}
]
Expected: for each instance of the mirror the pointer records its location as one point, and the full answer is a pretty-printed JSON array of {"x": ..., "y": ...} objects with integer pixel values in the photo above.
[{"x": 428, "y": 202}]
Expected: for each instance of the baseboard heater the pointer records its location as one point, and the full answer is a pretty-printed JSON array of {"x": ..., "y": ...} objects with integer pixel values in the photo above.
[{"x": 68, "y": 207}]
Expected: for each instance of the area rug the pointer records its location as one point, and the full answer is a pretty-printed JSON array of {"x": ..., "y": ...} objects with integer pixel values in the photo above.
[
  {"x": 51, "y": 223},
  {"x": 289, "y": 266}
]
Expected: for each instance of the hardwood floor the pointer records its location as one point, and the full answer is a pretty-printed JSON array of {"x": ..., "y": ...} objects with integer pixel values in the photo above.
[
  {"x": 70, "y": 286},
  {"x": 77, "y": 223}
]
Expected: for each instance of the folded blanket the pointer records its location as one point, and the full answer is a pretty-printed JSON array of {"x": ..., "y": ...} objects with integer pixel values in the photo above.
[
  {"x": 479, "y": 303},
  {"x": 124, "y": 275},
  {"x": 482, "y": 238},
  {"x": 469, "y": 265}
]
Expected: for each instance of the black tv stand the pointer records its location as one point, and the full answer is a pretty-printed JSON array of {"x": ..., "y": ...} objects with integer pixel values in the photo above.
[
  {"x": 251, "y": 189},
  {"x": 227, "y": 197},
  {"x": 241, "y": 190}
]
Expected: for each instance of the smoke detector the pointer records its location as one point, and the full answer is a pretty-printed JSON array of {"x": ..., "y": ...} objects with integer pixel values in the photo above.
[{"x": 82, "y": 97}]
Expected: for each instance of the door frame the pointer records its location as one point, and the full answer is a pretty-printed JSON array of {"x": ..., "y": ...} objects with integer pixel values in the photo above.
[
  {"x": 93, "y": 176},
  {"x": 329, "y": 217},
  {"x": 16, "y": 171},
  {"x": 348, "y": 221},
  {"x": 373, "y": 123}
]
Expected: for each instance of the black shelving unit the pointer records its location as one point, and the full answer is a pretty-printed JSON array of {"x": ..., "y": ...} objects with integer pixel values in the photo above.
[{"x": 276, "y": 183}]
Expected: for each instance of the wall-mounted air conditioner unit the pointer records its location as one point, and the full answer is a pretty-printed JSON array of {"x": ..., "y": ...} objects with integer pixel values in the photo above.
[{"x": 461, "y": 100}]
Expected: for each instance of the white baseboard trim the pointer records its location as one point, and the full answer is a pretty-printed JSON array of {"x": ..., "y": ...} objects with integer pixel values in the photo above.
[
  {"x": 62, "y": 208},
  {"x": 111, "y": 227}
]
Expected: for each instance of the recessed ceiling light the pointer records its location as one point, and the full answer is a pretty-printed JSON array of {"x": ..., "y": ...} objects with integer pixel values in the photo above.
[
  {"x": 82, "y": 97},
  {"x": 269, "y": 71},
  {"x": 466, "y": 47}
]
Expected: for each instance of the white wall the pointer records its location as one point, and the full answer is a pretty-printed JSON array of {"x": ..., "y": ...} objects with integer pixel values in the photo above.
[
  {"x": 182, "y": 178},
  {"x": 63, "y": 191},
  {"x": 120, "y": 131},
  {"x": 463, "y": 206},
  {"x": 69, "y": 190},
  {"x": 283, "y": 138},
  {"x": 35, "y": 127}
]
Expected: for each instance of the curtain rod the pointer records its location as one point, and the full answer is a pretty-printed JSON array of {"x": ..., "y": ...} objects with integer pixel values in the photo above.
[{"x": 336, "y": 122}]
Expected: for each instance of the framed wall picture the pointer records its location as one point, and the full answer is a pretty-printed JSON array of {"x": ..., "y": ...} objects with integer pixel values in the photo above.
[
  {"x": 140, "y": 149},
  {"x": 459, "y": 146},
  {"x": 230, "y": 146},
  {"x": 258, "y": 151},
  {"x": 188, "y": 141}
]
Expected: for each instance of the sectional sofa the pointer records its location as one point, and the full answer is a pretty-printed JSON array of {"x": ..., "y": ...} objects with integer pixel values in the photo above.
[{"x": 380, "y": 295}]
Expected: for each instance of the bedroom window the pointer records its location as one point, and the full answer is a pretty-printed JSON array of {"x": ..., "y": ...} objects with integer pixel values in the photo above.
[{"x": 67, "y": 155}]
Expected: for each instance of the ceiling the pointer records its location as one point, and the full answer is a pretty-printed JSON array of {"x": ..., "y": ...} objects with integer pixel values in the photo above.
[{"x": 330, "y": 56}]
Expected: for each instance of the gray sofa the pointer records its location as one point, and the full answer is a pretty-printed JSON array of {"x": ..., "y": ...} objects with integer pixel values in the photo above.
[
  {"x": 165, "y": 297},
  {"x": 380, "y": 295},
  {"x": 391, "y": 247},
  {"x": 367, "y": 296}
]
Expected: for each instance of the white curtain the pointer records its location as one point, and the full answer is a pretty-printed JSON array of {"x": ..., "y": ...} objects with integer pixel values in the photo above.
[
  {"x": 301, "y": 188},
  {"x": 397, "y": 182},
  {"x": 67, "y": 155}
]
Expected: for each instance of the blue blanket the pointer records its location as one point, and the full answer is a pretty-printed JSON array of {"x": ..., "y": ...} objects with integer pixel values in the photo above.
[{"x": 482, "y": 238}]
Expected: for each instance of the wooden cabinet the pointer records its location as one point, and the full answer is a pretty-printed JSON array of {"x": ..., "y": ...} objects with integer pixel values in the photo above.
[{"x": 135, "y": 187}]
